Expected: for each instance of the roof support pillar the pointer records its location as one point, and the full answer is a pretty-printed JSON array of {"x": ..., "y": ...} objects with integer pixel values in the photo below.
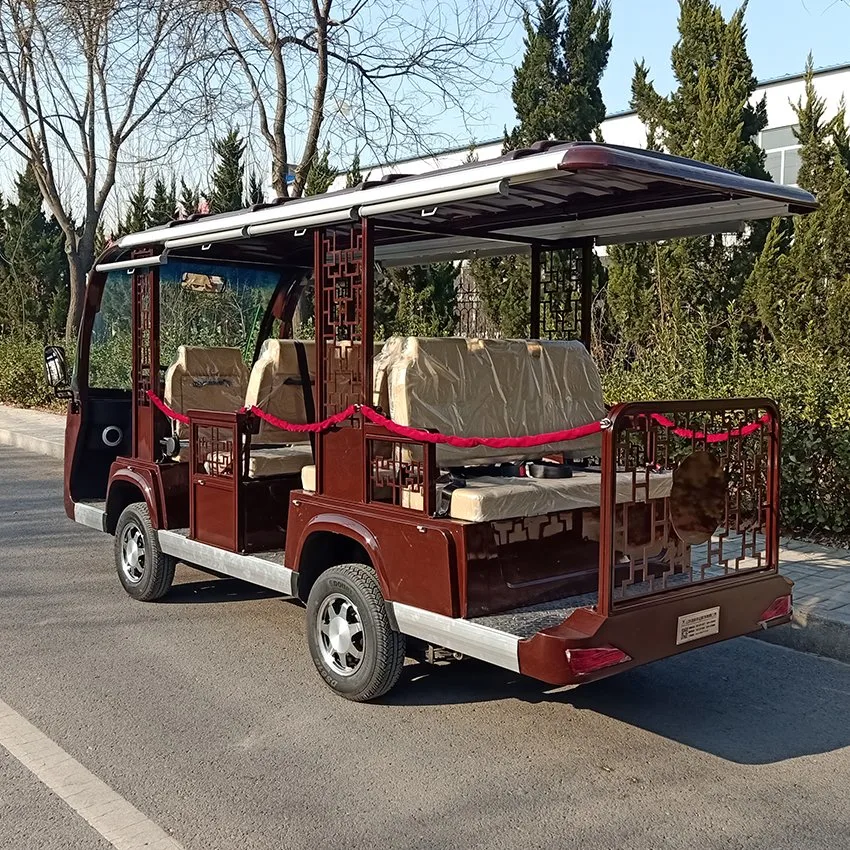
[
  {"x": 534, "y": 323},
  {"x": 588, "y": 260}
]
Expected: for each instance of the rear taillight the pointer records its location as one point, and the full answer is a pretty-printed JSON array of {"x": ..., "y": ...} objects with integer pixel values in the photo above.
[
  {"x": 780, "y": 607},
  {"x": 584, "y": 661}
]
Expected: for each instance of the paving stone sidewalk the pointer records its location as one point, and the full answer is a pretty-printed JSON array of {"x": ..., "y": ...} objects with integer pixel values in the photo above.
[
  {"x": 821, "y": 575},
  {"x": 33, "y": 430}
]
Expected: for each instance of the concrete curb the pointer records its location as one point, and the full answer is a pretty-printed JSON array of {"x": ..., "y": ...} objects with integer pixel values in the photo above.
[
  {"x": 812, "y": 632},
  {"x": 29, "y": 443}
]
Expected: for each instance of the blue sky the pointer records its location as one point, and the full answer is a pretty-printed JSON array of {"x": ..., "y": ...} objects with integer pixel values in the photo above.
[{"x": 781, "y": 33}]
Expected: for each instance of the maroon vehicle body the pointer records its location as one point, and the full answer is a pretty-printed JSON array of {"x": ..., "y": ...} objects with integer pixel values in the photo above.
[{"x": 564, "y": 596}]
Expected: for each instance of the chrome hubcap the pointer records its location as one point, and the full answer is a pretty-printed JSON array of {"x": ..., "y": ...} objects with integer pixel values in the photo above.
[
  {"x": 340, "y": 634},
  {"x": 133, "y": 553}
]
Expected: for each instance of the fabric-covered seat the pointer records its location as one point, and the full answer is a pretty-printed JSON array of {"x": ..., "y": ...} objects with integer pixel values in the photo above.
[
  {"x": 491, "y": 388},
  {"x": 263, "y": 463},
  {"x": 494, "y": 388},
  {"x": 205, "y": 379},
  {"x": 277, "y": 387},
  {"x": 488, "y": 499}
]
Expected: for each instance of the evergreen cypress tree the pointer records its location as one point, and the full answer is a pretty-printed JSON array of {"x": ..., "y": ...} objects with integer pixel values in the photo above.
[
  {"x": 33, "y": 270},
  {"x": 556, "y": 94},
  {"x": 321, "y": 174},
  {"x": 190, "y": 199},
  {"x": 256, "y": 195},
  {"x": 354, "y": 177},
  {"x": 164, "y": 201},
  {"x": 319, "y": 179},
  {"x": 417, "y": 300},
  {"x": 228, "y": 182},
  {"x": 802, "y": 291},
  {"x": 708, "y": 117},
  {"x": 100, "y": 240},
  {"x": 138, "y": 208},
  {"x": 556, "y": 90}
]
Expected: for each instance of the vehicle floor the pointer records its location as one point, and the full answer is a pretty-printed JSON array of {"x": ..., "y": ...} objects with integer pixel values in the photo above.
[{"x": 530, "y": 619}]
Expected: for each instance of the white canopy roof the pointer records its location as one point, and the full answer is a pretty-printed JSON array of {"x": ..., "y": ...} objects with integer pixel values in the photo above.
[{"x": 552, "y": 193}]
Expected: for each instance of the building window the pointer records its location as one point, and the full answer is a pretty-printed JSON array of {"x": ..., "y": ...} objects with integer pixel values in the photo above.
[
  {"x": 791, "y": 167},
  {"x": 773, "y": 164},
  {"x": 782, "y": 154},
  {"x": 780, "y": 137}
]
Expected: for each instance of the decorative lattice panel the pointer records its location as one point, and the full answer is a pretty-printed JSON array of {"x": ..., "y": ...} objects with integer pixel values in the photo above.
[
  {"x": 214, "y": 451},
  {"x": 397, "y": 473},
  {"x": 525, "y": 529},
  {"x": 340, "y": 312},
  {"x": 560, "y": 294},
  {"x": 690, "y": 510},
  {"x": 472, "y": 320},
  {"x": 142, "y": 294}
]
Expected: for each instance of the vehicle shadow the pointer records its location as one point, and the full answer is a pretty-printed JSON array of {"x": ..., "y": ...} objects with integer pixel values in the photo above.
[
  {"x": 745, "y": 700},
  {"x": 213, "y": 589}
]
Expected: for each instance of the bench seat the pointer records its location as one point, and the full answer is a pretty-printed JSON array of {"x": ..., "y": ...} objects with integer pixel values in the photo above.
[{"x": 488, "y": 499}]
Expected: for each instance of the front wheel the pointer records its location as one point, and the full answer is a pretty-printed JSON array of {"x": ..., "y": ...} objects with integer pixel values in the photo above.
[
  {"x": 144, "y": 570},
  {"x": 353, "y": 646}
]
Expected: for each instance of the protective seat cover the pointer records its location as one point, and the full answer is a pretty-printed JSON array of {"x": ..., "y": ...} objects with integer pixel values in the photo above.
[
  {"x": 205, "y": 379},
  {"x": 495, "y": 388},
  {"x": 491, "y": 388},
  {"x": 275, "y": 386}
]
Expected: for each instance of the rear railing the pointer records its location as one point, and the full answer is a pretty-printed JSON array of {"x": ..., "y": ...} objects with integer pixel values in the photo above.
[{"x": 690, "y": 495}]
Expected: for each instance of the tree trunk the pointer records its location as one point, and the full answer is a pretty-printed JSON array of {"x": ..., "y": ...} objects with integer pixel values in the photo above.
[
  {"x": 78, "y": 270},
  {"x": 279, "y": 173}
]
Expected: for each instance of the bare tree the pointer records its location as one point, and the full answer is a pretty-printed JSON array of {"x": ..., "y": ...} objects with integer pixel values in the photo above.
[
  {"x": 378, "y": 71},
  {"x": 79, "y": 79}
]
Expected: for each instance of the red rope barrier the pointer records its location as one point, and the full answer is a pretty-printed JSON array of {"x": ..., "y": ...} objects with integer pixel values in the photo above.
[
  {"x": 312, "y": 427},
  {"x": 169, "y": 412},
  {"x": 469, "y": 442},
  {"x": 716, "y": 436},
  {"x": 491, "y": 442}
]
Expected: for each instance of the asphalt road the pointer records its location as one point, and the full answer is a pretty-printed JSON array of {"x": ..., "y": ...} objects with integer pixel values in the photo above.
[{"x": 204, "y": 712}]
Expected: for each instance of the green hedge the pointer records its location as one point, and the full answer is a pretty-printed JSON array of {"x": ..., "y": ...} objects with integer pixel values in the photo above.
[
  {"x": 22, "y": 375},
  {"x": 814, "y": 402},
  {"x": 813, "y": 396}
]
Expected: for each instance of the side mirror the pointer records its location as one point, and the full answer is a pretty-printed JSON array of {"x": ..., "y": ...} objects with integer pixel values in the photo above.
[{"x": 56, "y": 370}]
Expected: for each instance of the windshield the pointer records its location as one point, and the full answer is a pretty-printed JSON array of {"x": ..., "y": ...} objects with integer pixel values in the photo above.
[{"x": 208, "y": 305}]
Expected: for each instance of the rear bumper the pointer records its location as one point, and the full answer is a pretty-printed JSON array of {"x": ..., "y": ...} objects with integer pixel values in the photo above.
[{"x": 647, "y": 631}]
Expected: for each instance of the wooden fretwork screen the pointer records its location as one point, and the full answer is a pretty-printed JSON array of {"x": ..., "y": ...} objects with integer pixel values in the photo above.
[
  {"x": 344, "y": 272},
  {"x": 561, "y": 293},
  {"x": 560, "y": 297},
  {"x": 148, "y": 428}
]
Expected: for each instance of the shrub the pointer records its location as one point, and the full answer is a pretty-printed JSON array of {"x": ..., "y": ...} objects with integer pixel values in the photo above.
[
  {"x": 22, "y": 375},
  {"x": 814, "y": 401}
]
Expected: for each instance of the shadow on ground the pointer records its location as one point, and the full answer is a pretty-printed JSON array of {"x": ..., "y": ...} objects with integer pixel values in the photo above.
[
  {"x": 217, "y": 590},
  {"x": 743, "y": 700}
]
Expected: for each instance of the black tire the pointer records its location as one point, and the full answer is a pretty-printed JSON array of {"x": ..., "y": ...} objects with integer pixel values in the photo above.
[
  {"x": 148, "y": 578},
  {"x": 381, "y": 648}
]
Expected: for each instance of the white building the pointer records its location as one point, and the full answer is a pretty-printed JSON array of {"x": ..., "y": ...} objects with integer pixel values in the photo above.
[{"x": 625, "y": 128}]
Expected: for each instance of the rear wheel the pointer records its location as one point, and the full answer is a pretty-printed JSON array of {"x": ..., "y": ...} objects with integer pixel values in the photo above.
[
  {"x": 144, "y": 571},
  {"x": 353, "y": 646}
]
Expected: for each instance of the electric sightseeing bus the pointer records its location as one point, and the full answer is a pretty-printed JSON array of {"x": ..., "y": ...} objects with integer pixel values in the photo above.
[{"x": 475, "y": 495}]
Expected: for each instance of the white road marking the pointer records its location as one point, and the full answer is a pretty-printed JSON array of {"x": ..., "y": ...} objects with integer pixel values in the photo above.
[{"x": 120, "y": 823}]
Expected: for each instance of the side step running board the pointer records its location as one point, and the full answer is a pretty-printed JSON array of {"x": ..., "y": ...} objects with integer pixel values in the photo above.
[{"x": 246, "y": 567}]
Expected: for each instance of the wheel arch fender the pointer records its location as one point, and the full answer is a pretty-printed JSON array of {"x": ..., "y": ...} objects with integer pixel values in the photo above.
[
  {"x": 125, "y": 487},
  {"x": 329, "y": 539}
]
